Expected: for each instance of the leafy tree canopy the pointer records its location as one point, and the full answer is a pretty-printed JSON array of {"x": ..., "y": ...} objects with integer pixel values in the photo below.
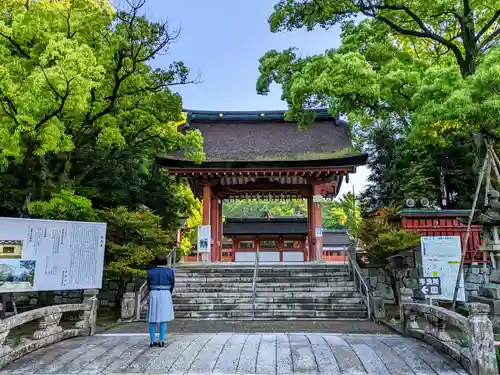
[
  {"x": 83, "y": 115},
  {"x": 412, "y": 77}
]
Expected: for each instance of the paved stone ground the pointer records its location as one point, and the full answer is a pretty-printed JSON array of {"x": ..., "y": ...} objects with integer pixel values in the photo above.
[
  {"x": 249, "y": 326},
  {"x": 241, "y": 353}
]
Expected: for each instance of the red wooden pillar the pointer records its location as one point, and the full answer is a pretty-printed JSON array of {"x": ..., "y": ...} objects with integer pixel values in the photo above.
[
  {"x": 220, "y": 231},
  {"x": 207, "y": 197},
  {"x": 214, "y": 221},
  {"x": 318, "y": 221},
  {"x": 310, "y": 229}
]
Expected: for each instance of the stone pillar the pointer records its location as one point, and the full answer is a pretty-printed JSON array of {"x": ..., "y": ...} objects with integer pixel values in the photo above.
[
  {"x": 406, "y": 296},
  {"x": 88, "y": 318},
  {"x": 128, "y": 306},
  {"x": 481, "y": 340},
  {"x": 207, "y": 197},
  {"x": 214, "y": 221}
]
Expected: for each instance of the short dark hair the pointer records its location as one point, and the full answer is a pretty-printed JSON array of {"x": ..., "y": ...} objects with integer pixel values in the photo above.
[{"x": 161, "y": 260}]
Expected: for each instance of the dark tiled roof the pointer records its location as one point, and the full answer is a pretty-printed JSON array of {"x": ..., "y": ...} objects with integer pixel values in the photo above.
[
  {"x": 249, "y": 136},
  {"x": 264, "y": 226},
  {"x": 335, "y": 238}
]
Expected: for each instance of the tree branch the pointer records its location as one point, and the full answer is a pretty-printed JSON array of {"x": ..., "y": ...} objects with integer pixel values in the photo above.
[
  {"x": 454, "y": 48},
  {"x": 16, "y": 45},
  {"x": 488, "y": 25},
  {"x": 489, "y": 39},
  {"x": 59, "y": 108}
]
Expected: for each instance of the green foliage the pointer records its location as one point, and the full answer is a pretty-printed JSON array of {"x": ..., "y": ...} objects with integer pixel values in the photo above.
[
  {"x": 64, "y": 205},
  {"x": 337, "y": 214},
  {"x": 343, "y": 213},
  {"x": 414, "y": 80},
  {"x": 382, "y": 239},
  {"x": 83, "y": 116},
  {"x": 256, "y": 208},
  {"x": 81, "y": 108},
  {"x": 133, "y": 240}
]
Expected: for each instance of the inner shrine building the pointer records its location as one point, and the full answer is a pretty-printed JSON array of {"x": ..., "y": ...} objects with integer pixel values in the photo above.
[{"x": 260, "y": 155}]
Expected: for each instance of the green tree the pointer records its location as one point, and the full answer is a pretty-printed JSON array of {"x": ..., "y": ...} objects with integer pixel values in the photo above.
[
  {"x": 343, "y": 213},
  {"x": 82, "y": 109},
  {"x": 460, "y": 29},
  {"x": 256, "y": 208},
  {"x": 401, "y": 92}
]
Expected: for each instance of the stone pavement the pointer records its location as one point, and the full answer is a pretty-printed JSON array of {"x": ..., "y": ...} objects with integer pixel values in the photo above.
[{"x": 230, "y": 353}]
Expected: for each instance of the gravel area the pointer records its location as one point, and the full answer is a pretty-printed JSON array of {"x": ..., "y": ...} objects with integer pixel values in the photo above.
[{"x": 242, "y": 326}]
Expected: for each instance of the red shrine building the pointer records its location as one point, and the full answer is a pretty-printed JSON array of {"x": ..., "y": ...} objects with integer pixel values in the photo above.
[{"x": 260, "y": 155}]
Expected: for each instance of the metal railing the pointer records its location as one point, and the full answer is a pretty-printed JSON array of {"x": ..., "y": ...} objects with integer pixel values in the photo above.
[
  {"x": 359, "y": 281},
  {"x": 254, "y": 281},
  {"x": 141, "y": 297}
]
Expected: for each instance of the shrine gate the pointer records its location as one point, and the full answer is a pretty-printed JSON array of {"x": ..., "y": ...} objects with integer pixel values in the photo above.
[{"x": 260, "y": 155}]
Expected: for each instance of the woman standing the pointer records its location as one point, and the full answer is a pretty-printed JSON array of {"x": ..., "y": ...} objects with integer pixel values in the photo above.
[{"x": 161, "y": 282}]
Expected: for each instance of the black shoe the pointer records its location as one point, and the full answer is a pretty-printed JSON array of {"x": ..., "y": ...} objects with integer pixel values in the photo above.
[
  {"x": 161, "y": 344},
  {"x": 153, "y": 344}
]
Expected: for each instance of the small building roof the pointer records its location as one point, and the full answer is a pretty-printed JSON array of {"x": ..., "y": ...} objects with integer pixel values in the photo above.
[
  {"x": 265, "y": 226},
  {"x": 265, "y": 136}
]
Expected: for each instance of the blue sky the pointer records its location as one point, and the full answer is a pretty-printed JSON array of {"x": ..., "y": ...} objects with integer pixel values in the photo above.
[{"x": 222, "y": 41}]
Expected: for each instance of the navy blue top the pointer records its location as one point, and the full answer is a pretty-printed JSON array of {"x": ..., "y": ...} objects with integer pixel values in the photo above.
[{"x": 161, "y": 277}]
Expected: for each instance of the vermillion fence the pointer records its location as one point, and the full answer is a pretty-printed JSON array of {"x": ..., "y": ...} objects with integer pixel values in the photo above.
[{"x": 446, "y": 223}]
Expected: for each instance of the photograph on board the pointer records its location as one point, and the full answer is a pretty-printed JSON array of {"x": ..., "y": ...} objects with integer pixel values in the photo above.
[
  {"x": 17, "y": 274},
  {"x": 11, "y": 249}
]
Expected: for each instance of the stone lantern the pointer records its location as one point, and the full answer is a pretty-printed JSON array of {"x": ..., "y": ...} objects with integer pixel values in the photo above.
[{"x": 489, "y": 293}]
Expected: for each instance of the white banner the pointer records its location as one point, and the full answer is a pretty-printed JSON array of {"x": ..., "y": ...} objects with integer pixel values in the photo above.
[
  {"x": 46, "y": 255},
  {"x": 441, "y": 256},
  {"x": 204, "y": 239}
]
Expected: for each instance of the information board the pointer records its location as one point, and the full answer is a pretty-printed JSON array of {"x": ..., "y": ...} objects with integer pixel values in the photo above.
[
  {"x": 441, "y": 256},
  {"x": 204, "y": 239},
  {"x": 47, "y": 255}
]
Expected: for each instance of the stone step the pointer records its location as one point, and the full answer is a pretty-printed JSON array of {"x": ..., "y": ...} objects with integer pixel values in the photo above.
[
  {"x": 331, "y": 293},
  {"x": 209, "y": 284},
  {"x": 261, "y": 274},
  {"x": 268, "y": 286},
  {"x": 269, "y": 307},
  {"x": 350, "y": 298},
  {"x": 249, "y": 280},
  {"x": 271, "y": 315},
  {"x": 261, "y": 290}
]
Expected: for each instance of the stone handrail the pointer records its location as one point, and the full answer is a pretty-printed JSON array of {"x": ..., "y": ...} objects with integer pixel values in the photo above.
[
  {"x": 477, "y": 355},
  {"x": 49, "y": 330}
]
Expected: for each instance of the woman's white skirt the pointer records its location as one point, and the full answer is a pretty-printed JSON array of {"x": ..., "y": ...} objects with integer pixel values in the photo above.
[{"x": 160, "y": 307}]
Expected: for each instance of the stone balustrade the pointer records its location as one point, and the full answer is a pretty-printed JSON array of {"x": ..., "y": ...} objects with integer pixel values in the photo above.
[
  {"x": 469, "y": 340},
  {"x": 48, "y": 329}
]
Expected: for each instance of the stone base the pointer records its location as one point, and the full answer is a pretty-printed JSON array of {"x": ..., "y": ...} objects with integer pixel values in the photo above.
[
  {"x": 490, "y": 291},
  {"x": 494, "y": 314}
]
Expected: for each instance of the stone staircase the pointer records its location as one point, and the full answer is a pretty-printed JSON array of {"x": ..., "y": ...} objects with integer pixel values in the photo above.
[{"x": 305, "y": 291}]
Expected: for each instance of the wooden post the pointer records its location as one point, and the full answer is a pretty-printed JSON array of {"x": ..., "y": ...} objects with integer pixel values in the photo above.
[
  {"x": 310, "y": 226},
  {"x": 207, "y": 197},
  {"x": 214, "y": 221},
  {"x": 220, "y": 234},
  {"x": 318, "y": 223}
]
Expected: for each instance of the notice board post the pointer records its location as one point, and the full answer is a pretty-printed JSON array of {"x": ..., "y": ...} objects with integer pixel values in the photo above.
[{"x": 441, "y": 256}]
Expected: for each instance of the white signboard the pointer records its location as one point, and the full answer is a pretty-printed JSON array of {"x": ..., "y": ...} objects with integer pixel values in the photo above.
[
  {"x": 441, "y": 256},
  {"x": 204, "y": 238},
  {"x": 46, "y": 255}
]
